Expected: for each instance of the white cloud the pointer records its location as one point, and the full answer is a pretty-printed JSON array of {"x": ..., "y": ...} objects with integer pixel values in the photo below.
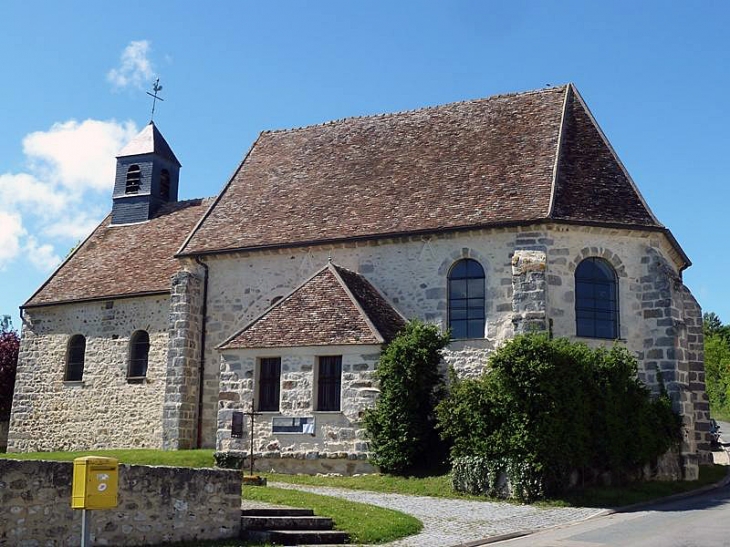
[
  {"x": 11, "y": 230},
  {"x": 25, "y": 191},
  {"x": 78, "y": 155},
  {"x": 64, "y": 192},
  {"x": 135, "y": 68},
  {"x": 42, "y": 256},
  {"x": 75, "y": 227}
]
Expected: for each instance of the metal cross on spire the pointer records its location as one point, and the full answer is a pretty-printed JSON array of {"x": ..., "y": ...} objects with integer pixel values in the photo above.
[{"x": 156, "y": 87}]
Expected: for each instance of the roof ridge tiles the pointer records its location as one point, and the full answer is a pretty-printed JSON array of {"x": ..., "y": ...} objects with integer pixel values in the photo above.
[{"x": 335, "y": 121}]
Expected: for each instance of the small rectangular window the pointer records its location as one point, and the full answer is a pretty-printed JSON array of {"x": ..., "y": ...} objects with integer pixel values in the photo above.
[
  {"x": 269, "y": 382},
  {"x": 329, "y": 381}
]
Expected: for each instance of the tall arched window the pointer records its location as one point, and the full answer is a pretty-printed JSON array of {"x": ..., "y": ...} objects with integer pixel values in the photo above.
[
  {"x": 75, "y": 355},
  {"x": 466, "y": 299},
  {"x": 138, "y": 354},
  {"x": 596, "y": 299},
  {"x": 133, "y": 177},
  {"x": 165, "y": 185}
]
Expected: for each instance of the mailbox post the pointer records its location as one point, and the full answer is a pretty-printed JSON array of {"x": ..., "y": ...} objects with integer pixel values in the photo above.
[{"x": 95, "y": 486}]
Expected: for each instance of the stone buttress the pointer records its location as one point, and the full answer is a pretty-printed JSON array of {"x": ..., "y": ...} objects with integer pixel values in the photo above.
[{"x": 181, "y": 406}]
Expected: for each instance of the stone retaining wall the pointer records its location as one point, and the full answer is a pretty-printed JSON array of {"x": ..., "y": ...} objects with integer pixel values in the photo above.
[
  {"x": 299, "y": 463},
  {"x": 156, "y": 504}
]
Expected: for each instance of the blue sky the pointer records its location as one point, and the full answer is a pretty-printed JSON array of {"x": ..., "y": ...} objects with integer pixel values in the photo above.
[{"x": 655, "y": 75}]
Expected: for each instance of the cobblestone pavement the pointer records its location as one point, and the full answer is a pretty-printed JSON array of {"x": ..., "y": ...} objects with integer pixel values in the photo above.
[{"x": 450, "y": 522}]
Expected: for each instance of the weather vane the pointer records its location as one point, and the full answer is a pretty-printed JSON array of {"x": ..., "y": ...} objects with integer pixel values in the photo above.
[{"x": 156, "y": 87}]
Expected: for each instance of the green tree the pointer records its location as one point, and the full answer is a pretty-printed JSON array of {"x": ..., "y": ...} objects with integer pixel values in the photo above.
[
  {"x": 9, "y": 347},
  {"x": 717, "y": 364},
  {"x": 546, "y": 408},
  {"x": 401, "y": 426}
]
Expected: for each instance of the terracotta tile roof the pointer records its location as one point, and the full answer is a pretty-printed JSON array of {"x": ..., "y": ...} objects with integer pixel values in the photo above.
[
  {"x": 469, "y": 164},
  {"x": 123, "y": 260},
  {"x": 591, "y": 183},
  {"x": 334, "y": 307}
]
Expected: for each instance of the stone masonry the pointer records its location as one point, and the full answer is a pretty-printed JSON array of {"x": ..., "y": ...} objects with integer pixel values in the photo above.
[
  {"x": 529, "y": 282},
  {"x": 529, "y": 286},
  {"x": 104, "y": 410},
  {"x": 156, "y": 505},
  {"x": 339, "y": 438},
  {"x": 180, "y": 409}
]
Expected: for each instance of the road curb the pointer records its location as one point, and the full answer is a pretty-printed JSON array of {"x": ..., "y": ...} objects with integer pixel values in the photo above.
[{"x": 606, "y": 512}]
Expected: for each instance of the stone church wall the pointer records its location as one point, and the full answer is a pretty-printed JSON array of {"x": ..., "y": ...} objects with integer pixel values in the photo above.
[
  {"x": 338, "y": 440},
  {"x": 529, "y": 286},
  {"x": 104, "y": 410}
]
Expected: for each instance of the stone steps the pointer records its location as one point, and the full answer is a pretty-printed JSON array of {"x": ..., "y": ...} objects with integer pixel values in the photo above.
[{"x": 289, "y": 527}]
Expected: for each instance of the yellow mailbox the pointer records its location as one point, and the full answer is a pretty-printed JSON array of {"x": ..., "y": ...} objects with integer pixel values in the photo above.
[{"x": 95, "y": 483}]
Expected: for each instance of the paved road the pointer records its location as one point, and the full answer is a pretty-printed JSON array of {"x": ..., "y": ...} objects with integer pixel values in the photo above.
[
  {"x": 449, "y": 522},
  {"x": 700, "y": 521}
]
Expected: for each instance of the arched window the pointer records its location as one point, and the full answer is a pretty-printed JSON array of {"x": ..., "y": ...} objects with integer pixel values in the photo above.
[
  {"x": 165, "y": 185},
  {"x": 75, "y": 358},
  {"x": 133, "y": 178},
  {"x": 138, "y": 354},
  {"x": 466, "y": 299},
  {"x": 596, "y": 299}
]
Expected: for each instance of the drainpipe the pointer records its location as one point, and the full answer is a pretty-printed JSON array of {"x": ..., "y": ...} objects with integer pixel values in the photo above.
[{"x": 204, "y": 312}]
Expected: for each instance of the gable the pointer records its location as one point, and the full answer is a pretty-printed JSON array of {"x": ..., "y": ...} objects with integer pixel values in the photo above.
[{"x": 334, "y": 307}]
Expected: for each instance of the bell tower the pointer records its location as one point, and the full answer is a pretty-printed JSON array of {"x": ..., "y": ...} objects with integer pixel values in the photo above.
[{"x": 147, "y": 176}]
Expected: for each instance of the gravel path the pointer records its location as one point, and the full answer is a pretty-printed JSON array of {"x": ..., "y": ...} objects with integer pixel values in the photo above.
[{"x": 451, "y": 522}]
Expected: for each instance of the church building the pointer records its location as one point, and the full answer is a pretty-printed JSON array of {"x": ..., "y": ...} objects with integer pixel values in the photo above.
[{"x": 490, "y": 217}]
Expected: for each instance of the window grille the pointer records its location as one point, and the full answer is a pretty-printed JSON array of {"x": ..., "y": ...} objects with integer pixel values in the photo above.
[
  {"x": 596, "y": 299},
  {"x": 269, "y": 382},
  {"x": 466, "y": 299},
  {"x": 75, "y": 358},
  {"x": 329, "y": 381},
  {"x": 139, "y": 354}
]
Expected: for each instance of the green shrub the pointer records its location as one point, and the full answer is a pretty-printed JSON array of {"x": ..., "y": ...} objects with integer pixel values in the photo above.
[
  {"x": 229, "y": 460},
  {"x": 550, "y": 407},
  {"x": 401, "y": 426}
]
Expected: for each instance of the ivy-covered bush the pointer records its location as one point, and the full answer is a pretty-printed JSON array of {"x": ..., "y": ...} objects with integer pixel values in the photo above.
[
  {"x": 473, "y": 475},
  {"x": 546, "y": 408},
  {"x": 401, "y": 426}
]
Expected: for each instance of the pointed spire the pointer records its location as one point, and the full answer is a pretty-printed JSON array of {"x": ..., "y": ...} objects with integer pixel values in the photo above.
[{"x": 149, "y": 141}]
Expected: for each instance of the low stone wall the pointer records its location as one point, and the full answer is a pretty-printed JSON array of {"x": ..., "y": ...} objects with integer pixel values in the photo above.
[
  {"x": 156, "y": 505},
  {"x": 304, "y": 463}
]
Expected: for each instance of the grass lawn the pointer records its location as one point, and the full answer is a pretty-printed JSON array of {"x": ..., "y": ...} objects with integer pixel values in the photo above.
[
  {"x": 365, "y": 523},
  {"x": 436, "y": 487},
  {"x": 175, "y": 458}
]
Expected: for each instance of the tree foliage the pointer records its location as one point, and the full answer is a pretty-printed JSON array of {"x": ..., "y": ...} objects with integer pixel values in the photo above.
[
  {"x": 9, "y": 346},
  {"x": 546, "y": 408},
  {"x": 717, "y": 364},
  {"x": 401, "y": 426}
]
